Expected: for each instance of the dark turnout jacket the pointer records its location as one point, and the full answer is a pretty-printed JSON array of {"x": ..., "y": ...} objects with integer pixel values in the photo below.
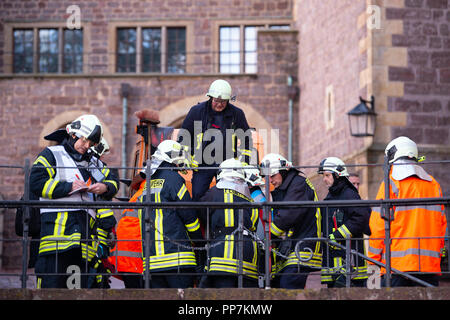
[
  {"x": 351, "y": 222},
  {"x": 173, "y": 231},
  {"x": 62, "y": 229},
  {"x": 231, "y": 117},
  {"x": 224, "y": 257},
  {"x": 297, "y": 223}
]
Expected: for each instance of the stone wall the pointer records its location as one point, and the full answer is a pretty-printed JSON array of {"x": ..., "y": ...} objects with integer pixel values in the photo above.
[
  {"x": 403, "y": 62},
  {"x": 35, "y": 105},
  {"x": 426, "y": 77},
  {"x": 98, "y": 16},
  {"x": 330, "y": 62}
]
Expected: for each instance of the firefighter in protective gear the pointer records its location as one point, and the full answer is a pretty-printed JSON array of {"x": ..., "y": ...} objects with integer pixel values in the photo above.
[
  {"x": 223, "y": 266},
  {"x": 219, "y": 89},
  {"x": 211, "y": 130},
  {"x": 62, "y": 173},
  {"x": 417, "y": 231},
  {"x": 341, "y": 223},
  {"x": 296, "y": 257},
  {"x": 172, "y": 230}
]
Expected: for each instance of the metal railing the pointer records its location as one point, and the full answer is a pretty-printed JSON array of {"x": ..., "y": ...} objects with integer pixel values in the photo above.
[{"x": 264, "y": 274}]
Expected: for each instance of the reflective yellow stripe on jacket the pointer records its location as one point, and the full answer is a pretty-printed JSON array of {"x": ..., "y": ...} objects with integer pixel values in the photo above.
[
  {"x": 159, "y": 231},
  {"x": 185, "y": 258}
]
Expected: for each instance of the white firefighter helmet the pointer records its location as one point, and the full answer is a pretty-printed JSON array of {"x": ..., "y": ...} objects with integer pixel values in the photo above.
[
  {"x": 401, "y": 147},
  {"x": 335, "y": 165},
  {"x": 169, "y": 151},
  {"x": 220, "y": 89},
  {"x": 172, "y": 152},
  {"x": 253, "y": 176},
  {"x": 101, "y": 148},
  {"x": 275, "y": 162},
  {"x": 231, "y": 169},
  {"x": 87, "y": 126}
]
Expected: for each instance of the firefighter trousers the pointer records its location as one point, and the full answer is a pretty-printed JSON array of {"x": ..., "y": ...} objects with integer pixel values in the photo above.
[
  {"x": 56, "y": 270},
  {"x": 229, "y": 281},
  {"x": 292, "y": 277},
  {"x": 172, "y": 279},
  {"x": 399, "y": 281}
]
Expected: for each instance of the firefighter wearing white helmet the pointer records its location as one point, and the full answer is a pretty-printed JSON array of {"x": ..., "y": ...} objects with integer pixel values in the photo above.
[
  {"x": 172, "y": 152},
  {"x": 201, "y": 129},
  {"x": 219, "y": 89},
  {"x": 86, "y": 126},
  {"x": 425, "y": 222},
  {"x": 274, "y": 163},
  {"x": 403, "y": 150},
  {"x": 335, "y": 165},
  {"x": 231, "y": 169},
  {"x": 178, "y": 224},
  {"x": 232, "y": 176},
  {"x": 339, "y": 223},
  {"x": 62, "y": 172},
  {"x": 291, "y": 225},
  {"x": 401, "y": 147},
  {"x": 223, "y": 224}
]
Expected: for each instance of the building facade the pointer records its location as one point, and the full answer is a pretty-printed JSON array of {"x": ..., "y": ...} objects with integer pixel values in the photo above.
[
  {"x": 59, "y": 60},
  {"x": 397, "y": 51}
]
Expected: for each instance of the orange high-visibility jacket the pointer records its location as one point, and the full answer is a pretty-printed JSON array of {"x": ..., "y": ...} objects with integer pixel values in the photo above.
[
  {"x": 417, "y": 223},
  {"x": 127, "y": 255}
]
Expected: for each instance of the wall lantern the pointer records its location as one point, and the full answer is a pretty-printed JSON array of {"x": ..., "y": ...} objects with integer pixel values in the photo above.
[{"x": 362, "y": 118}]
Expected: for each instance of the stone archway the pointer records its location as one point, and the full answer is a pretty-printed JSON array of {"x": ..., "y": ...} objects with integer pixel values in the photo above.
[{"x": 64, "y": 118}]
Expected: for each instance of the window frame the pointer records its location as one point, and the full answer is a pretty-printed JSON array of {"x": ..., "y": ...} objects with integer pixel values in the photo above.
[
  {"x": 23, "y": 55},
  {"x": 10, "y": 27},
  {"x": 242, "y": 24},
  {"x": 139, "y": 26}
]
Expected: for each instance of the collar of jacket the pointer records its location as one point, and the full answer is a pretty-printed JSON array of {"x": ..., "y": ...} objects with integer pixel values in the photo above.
[
  {"x": 288, "y": 179},
  {"x": 68, "y": 145},
  {"x": 407, "y": 168},
  {"x": 236, "y": 185},
  {"x": 339, "y": 185}
]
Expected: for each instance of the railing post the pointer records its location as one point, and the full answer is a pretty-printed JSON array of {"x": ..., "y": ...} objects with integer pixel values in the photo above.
[
  {"x": 348, "y": 264},
  {"x": 26, "y": 220},
  {"x": 387, "y": 221},
  {"x": 146, "y": 229},
  {"x": 241, "y": 247},
  {"x": 267, "y": 217},
  {"x": 208, "y": 241}
]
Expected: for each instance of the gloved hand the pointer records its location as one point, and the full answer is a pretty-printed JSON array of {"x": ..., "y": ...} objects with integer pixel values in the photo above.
[{"x": 330, "y": 243}]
